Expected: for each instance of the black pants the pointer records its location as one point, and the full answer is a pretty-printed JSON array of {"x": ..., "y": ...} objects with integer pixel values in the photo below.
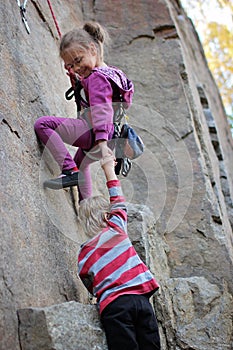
[{"x": 130, "y": 324}]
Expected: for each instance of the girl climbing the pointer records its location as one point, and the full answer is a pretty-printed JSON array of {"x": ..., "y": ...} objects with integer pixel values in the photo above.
[{"x": 82, "y": 52}]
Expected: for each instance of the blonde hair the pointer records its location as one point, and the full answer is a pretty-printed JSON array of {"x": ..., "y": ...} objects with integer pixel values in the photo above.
[
  {"x": 92, "y": 32},
  {"x": 92, "y": 214}
]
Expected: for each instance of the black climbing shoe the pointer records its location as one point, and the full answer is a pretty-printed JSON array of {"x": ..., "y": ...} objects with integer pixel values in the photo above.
[{"x": 66, "y": 179}]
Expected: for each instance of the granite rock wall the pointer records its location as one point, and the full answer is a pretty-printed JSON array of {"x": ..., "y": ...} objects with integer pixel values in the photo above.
[{"x": 184, "y": 178}]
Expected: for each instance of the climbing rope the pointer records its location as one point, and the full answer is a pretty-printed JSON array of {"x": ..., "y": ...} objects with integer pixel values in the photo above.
[
  {"x": 54, "y": 18},
  {"x": 71, "y": 75}
]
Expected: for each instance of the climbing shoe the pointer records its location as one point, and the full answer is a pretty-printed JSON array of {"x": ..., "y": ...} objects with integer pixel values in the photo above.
[{"x": 66, "y": 179}]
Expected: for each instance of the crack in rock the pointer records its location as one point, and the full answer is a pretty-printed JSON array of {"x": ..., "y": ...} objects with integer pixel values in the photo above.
[{"x": 4, "y": 121}]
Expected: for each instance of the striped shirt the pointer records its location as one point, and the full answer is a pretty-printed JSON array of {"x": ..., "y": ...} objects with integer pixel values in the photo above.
[{"x": 108, "y": 264}]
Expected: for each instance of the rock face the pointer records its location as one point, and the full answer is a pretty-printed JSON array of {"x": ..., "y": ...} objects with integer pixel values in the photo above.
[
  {"x": 67, "y": 326},
  {"x": 180, "y": 190}
]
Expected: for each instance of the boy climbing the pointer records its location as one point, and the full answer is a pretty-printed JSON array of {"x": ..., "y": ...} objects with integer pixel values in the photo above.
[
  {"x": 112, "y": 271},
  {"x": 82, "y": 52}
]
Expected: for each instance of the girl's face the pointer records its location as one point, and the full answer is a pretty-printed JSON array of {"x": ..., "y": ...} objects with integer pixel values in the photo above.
[{"x": 81, "y": 61}]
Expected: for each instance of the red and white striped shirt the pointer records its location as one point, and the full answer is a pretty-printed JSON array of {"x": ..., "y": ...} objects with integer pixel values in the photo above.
[{"x": 108, "y": 264}]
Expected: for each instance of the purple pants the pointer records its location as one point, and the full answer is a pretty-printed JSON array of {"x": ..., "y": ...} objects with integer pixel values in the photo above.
[{"x": 54, "y": 132}]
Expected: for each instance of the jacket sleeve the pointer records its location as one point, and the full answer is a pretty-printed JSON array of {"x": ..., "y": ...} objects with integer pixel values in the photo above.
[
  {"x": 118, "y": 209},
  {"x": 100, "y": 95}
]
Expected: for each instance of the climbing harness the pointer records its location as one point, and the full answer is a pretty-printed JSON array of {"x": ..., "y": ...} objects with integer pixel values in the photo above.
[
  {"x": 22, "y": 13},
  {"x": 75, "y": 91},
  {"x": 128, "y": 145}
]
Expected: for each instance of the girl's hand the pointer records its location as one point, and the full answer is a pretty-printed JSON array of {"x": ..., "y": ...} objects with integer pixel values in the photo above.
[
  {"x": 108, "y": 161},
  {"x": 105, "y": 150},
  {"x": 108, "y": 164}
]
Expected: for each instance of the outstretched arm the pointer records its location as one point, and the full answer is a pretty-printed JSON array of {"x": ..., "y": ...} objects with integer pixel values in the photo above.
[
  {"x": 117, "y": 216},
  {"x": 108, "y": 165}
]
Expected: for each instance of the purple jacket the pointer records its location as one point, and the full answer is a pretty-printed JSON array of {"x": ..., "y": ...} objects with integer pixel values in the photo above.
[{"x": 102, "y": 87}]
